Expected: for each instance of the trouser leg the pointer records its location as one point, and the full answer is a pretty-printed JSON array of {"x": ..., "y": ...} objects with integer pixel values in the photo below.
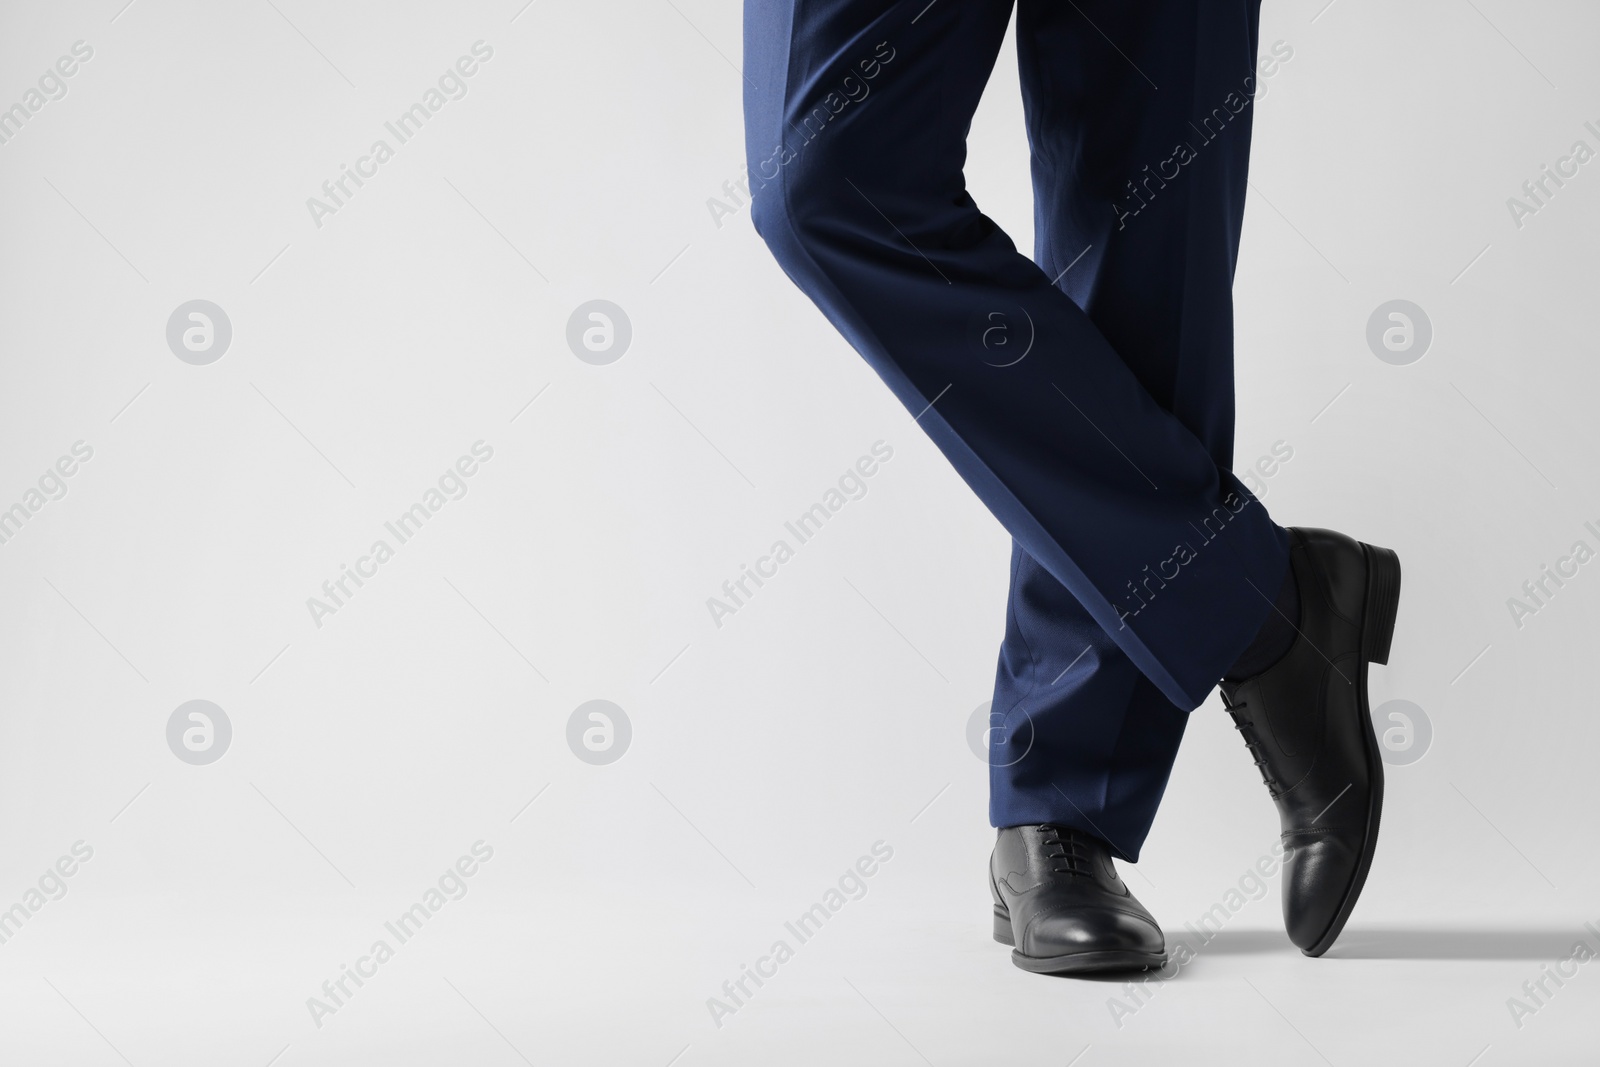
[
  {"x": 1139, "y": 119},
  {"x": 859, "y": 193}
]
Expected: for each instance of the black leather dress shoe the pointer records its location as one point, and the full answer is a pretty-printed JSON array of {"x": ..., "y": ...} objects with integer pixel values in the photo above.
[
  {"x": 1307, "y": 723},
  {"x": 1060, "y": 902}
]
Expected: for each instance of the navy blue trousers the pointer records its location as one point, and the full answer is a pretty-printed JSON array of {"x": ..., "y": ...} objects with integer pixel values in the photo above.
[{"x": 1086, "y": 394}]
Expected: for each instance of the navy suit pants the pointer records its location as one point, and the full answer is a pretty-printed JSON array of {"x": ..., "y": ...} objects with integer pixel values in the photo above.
[{"x": 1085, "y": 394}]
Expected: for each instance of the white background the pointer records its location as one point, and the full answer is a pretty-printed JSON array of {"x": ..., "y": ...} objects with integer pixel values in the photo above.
[{"x": 830, "y": 712}]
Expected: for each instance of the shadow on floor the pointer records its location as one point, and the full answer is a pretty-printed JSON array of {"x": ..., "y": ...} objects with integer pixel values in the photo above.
[
  {"x": 1408, "y": 943},
  {"x": 1375, "y": 943}
]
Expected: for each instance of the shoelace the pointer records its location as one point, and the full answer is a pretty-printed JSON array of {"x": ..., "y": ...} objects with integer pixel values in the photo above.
[
  {"x": 1067, "y": 843},
  {"x": 1252, "y": 741}
]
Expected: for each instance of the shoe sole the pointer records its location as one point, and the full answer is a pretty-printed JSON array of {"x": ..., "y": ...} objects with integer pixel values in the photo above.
[
  {"x": 1377, "y": 634},
  {"x": 1074, "y": 962}
]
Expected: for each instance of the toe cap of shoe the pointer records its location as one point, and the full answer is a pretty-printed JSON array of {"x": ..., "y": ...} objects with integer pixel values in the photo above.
[
  {"x": 1098, "y": 929},
  {"x": 1317, "y": 878}
]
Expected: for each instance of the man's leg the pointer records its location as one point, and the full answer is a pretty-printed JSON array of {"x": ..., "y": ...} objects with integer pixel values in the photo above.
[
  {"x": 1139, "y": 119},
  {"x": 1077, "y": 736},
  {"x": 1168, "y": 166},
  {"x": 856, "y": 119}
]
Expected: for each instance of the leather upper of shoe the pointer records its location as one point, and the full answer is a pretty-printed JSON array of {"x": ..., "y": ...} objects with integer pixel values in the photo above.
[
  {"x": 1302, "y": 721},
  {"x": 1065, "y": 896}
]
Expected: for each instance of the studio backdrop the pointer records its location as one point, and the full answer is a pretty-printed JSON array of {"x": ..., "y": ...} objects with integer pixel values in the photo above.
[{"x": 463, "y": 604}]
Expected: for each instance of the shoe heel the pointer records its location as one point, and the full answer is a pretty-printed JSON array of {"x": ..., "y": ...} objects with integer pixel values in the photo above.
[
  {"x": 1002, "y": 928},
  {"x": 1383, "y": 602}
]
